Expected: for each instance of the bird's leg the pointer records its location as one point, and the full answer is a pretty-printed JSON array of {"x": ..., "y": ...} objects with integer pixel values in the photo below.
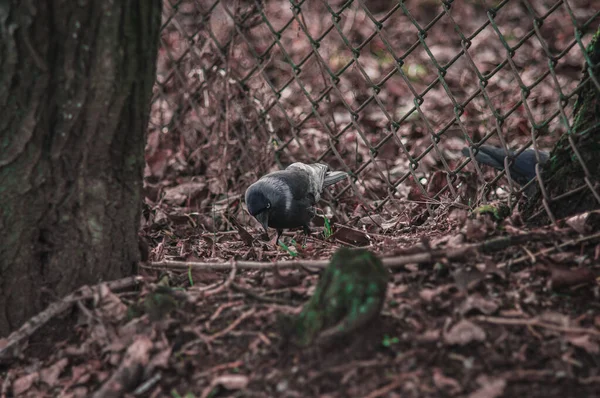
[
  {"x": 306, "y": 230},
  {"x": 279, "y": 232}
]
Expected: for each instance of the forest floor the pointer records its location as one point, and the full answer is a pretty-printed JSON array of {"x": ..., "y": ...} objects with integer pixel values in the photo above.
[
  {"x": 517, "y": 316},
  {"x": 476, "y": 306}
]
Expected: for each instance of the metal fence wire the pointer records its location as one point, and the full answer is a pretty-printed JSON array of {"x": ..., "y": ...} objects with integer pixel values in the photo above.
[{"x": 389, "y": 91}]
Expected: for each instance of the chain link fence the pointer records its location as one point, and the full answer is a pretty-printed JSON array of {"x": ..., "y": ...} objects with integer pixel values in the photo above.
[{"x": 389, "y": 91}]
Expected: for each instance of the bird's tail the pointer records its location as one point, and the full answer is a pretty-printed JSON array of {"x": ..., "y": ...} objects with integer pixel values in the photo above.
[{"x": 332, "y": 177}]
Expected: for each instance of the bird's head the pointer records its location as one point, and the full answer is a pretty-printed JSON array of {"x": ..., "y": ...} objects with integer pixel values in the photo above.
[{"x": 260, "y": 199}]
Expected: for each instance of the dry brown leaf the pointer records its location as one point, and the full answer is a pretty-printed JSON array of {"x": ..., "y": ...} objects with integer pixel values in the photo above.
[
  {"x": 231, "y": 381},
  {"x": 161, "y": 360},
  {"x": 351, "y": 236},
  {"x": 227, "y": 381},
  {"x": 24, "y": 383},
  {"x": 463, "y": 333},
  {"x": 490, "y": 387},
  {"x": 109, "y": 305},
  {"x": 564, "y": 277},
  {"x": 51, "y": 374},
  {"x": 447, "y": 384},
  {"x": 77, "y": 392},
  {"x": 467, "y": 278},
  {"x": 185, "y": 193},
  {"x": 583, "y": 223},
  {"x": 585, "y": 342},
  {"x": 479, "y": 303},
  {"x": 429, "y": 294},
  {"x": 430, "y": 336}
]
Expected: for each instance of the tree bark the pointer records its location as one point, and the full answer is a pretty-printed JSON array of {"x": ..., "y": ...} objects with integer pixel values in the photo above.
[
  {"x": 75, "y": 86},
  {"x": 564, "y": 172}
]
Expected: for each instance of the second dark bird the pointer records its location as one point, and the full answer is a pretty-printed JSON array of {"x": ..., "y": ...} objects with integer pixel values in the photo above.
[
  {"x": 286, "y": 199},
  {"x": 522, "y": 169}
]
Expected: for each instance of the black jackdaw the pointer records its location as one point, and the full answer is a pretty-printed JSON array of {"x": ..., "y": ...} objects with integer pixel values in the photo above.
[{"x": 285, "y": 199}]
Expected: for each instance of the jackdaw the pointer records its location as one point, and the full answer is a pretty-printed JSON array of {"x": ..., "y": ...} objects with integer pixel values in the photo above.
[
  {"x": 522, "y": 169},
  {"x": 284, "y": 199}
]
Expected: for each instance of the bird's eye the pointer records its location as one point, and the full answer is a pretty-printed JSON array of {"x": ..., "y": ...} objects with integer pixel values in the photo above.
[{"x": 268, "y": 205}]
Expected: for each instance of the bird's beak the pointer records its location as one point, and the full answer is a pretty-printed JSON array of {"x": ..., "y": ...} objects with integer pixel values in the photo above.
[{"x": 263, "y": 219}]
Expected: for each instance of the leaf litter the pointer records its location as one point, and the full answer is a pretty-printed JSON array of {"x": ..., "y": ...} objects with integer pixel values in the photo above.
[{"x": 514, "y": 313}]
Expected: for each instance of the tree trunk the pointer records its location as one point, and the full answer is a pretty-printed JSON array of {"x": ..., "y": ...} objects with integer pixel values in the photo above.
[
  {"x": 75, "y": 86},
  {"x": 564, "y": 172}
]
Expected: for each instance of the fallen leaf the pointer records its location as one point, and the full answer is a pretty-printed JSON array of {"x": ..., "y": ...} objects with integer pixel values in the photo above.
[
  {"x": 372, "y": 222},
  {"x": 584, "y": 342},
  {"x": 185, "y": 193},
  {"x": 231, "y": 382},
  {"x": 467, "y": 278},
  {"x": 583, "y": 223},
  {"x": 437, "y": 181},
  {"x": 463, "y": 333},
  {"x": 447, "y": 384},
  {"x": 244, "y": 234},
  {"x": 77, "y": 392},
  {"x": 351, "y": 236},
  {"x": 429, "y": 294},
  {"x": 109, "y": 305},
  {"x": 430, "y": 336},
  {"x": 478, "y": 303},
  {"x": 564, "y": 277},
  {"x": 490, "y": 387},
  {"x": 24, "y": 383},
  {"x": 51, "y": 374},
  {"x": 161, "y": 360}
]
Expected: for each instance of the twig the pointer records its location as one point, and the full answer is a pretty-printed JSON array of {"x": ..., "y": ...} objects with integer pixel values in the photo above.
[
  {"x": 398, "y": 381},
  {"x": 220, "y": 309},
  {"x": 148, "y": 384},
  {"x": 535, "y": 322},
  {"x": 10, "y": 350},
  {"x": 349, "y": 366},
  {"x": 258, "y": 297},
  {"x": 232, "y": 326},
  {"x": 218, "y": 368},
  {"x": 549, "y": 250},
  {"x": 225, "y": 285},
  {"x": 8, "y": 378}
]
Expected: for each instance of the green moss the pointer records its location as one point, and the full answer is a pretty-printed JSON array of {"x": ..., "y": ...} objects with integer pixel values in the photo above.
[
  {"x": 349, "y": 294},
  {"x": 498, "y": 210}
]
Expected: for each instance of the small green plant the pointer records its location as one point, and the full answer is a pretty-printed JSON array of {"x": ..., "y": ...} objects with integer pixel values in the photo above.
[
  {"x": 327, "y": 230},
  {"x": 389, "y": 341},
  {"x": 190, "y": 276},
  {"x": 288, "y": 249}
]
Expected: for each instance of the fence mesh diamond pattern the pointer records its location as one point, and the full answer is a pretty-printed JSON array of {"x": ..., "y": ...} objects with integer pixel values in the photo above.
[{"x": 389, "y": 91}]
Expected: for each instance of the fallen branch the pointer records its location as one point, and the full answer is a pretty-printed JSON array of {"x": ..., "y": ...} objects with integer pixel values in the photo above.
[
  {"x": 10, "y": 348},
  {"x": 232, "y": 326},
  {"x": 548, "y": 250},
  {"x": 425, "y": 257},
  {"x": 237, "y": 288},
  {"x": 391, "y": 262},
  {"x": 537, "y": 323}
]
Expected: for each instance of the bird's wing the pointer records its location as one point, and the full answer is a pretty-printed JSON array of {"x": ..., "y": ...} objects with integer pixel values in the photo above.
[{"x": 316, "y": 176}]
